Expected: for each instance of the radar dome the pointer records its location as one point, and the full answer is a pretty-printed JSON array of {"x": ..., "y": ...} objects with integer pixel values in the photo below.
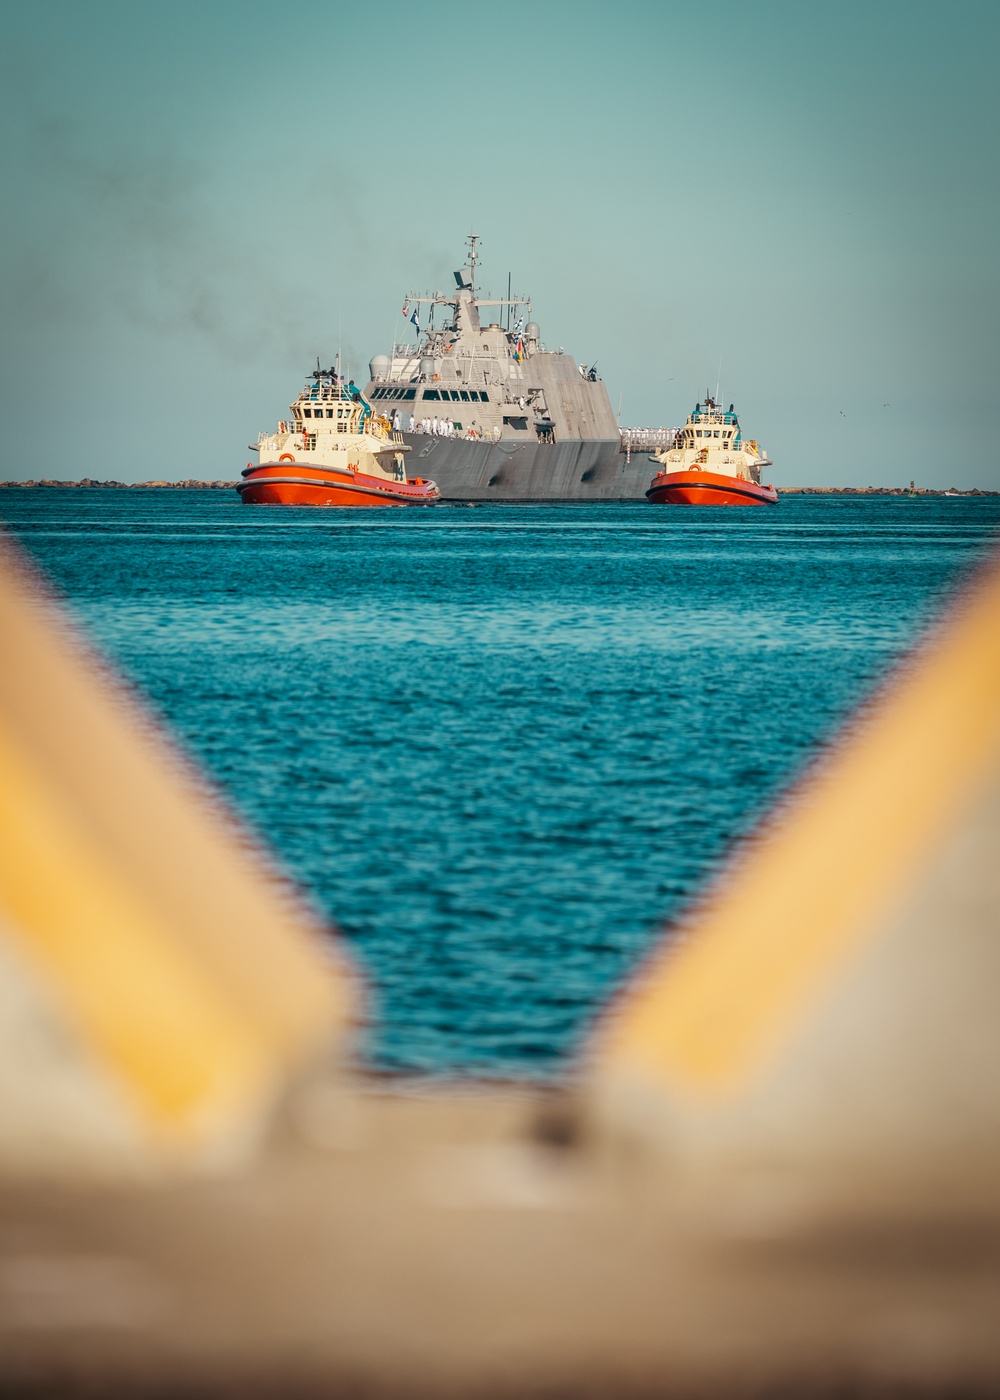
[
  {"x": 379, "y": 367},
  {"x": 531, "y": 331},
  {"x": 427, "y": 368}
]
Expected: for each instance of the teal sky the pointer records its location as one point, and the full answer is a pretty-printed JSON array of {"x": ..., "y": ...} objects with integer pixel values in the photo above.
[{"x": 199, "y": 198}]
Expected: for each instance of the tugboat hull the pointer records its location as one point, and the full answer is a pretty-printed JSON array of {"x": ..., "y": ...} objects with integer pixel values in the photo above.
[
  {"x": 700, "y": 488},
  {"x": 296, "y": 484}
]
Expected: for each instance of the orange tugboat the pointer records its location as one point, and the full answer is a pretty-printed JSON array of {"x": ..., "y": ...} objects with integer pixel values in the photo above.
[
  {"x": 710, "y": 464},
  {"x": 335, "y": 451}
]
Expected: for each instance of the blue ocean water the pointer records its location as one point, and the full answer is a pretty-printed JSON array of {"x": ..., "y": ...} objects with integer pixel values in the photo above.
[{"x": 499, "y": 746}]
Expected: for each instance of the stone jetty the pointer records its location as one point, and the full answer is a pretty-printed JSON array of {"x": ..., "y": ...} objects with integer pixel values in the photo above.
[{"x": 191, "y": 484}]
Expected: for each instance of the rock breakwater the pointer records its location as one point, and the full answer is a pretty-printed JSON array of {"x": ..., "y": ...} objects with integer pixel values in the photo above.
[{"x": 191, "y": 484}]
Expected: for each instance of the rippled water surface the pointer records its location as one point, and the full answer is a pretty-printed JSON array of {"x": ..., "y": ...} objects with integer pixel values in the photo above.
[{"x": 500, "y": 745}]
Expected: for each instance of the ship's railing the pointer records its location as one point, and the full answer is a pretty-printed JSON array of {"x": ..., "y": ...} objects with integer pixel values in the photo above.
[{"x": 647, "y": 439}]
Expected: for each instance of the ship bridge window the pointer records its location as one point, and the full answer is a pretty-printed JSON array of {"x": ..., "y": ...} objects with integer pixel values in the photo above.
[
  {"x": 329, "y": 413},
  {"x": 716, "y": 432},
  {"x": 410, "y": 394},
  {"x": 698, "y": 433},
  {"x": 464, "y": 395},
  {"x": 430, "y": 393},
  {"x": 455, "y": 395},
  {"x": 483, "y": 396}
]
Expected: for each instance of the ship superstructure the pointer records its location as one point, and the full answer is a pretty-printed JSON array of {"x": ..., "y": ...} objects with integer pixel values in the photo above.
[
  {"x": 711, "y": 463},
  {"x": 492, "y": 412}
]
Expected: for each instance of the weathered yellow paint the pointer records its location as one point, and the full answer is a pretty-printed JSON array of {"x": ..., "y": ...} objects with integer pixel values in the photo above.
[{"x": 803, "y": 899}]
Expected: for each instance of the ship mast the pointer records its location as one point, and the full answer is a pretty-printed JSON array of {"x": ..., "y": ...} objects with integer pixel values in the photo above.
[{"x": 473, "y": 258}]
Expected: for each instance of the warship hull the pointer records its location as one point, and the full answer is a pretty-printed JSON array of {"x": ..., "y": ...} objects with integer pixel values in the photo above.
[{"x": 580, "y": 470}]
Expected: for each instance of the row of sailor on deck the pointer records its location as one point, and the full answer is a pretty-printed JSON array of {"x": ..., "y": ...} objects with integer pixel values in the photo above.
[{"x": 444, "y": 427}]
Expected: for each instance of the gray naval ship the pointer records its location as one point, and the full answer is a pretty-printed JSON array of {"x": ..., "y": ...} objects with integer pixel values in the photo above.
[{"x": 490, "y": 414}]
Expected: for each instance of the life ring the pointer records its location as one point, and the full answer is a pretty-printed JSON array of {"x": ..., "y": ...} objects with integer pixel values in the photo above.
[{"x": 286, "y": 457}]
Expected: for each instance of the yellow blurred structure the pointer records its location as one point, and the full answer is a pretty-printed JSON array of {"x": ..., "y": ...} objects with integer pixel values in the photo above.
[
  {"x": 778, "y": 1169},
  {"x": 833, "y": 995},
  {"x": 159, "y": 983}
]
